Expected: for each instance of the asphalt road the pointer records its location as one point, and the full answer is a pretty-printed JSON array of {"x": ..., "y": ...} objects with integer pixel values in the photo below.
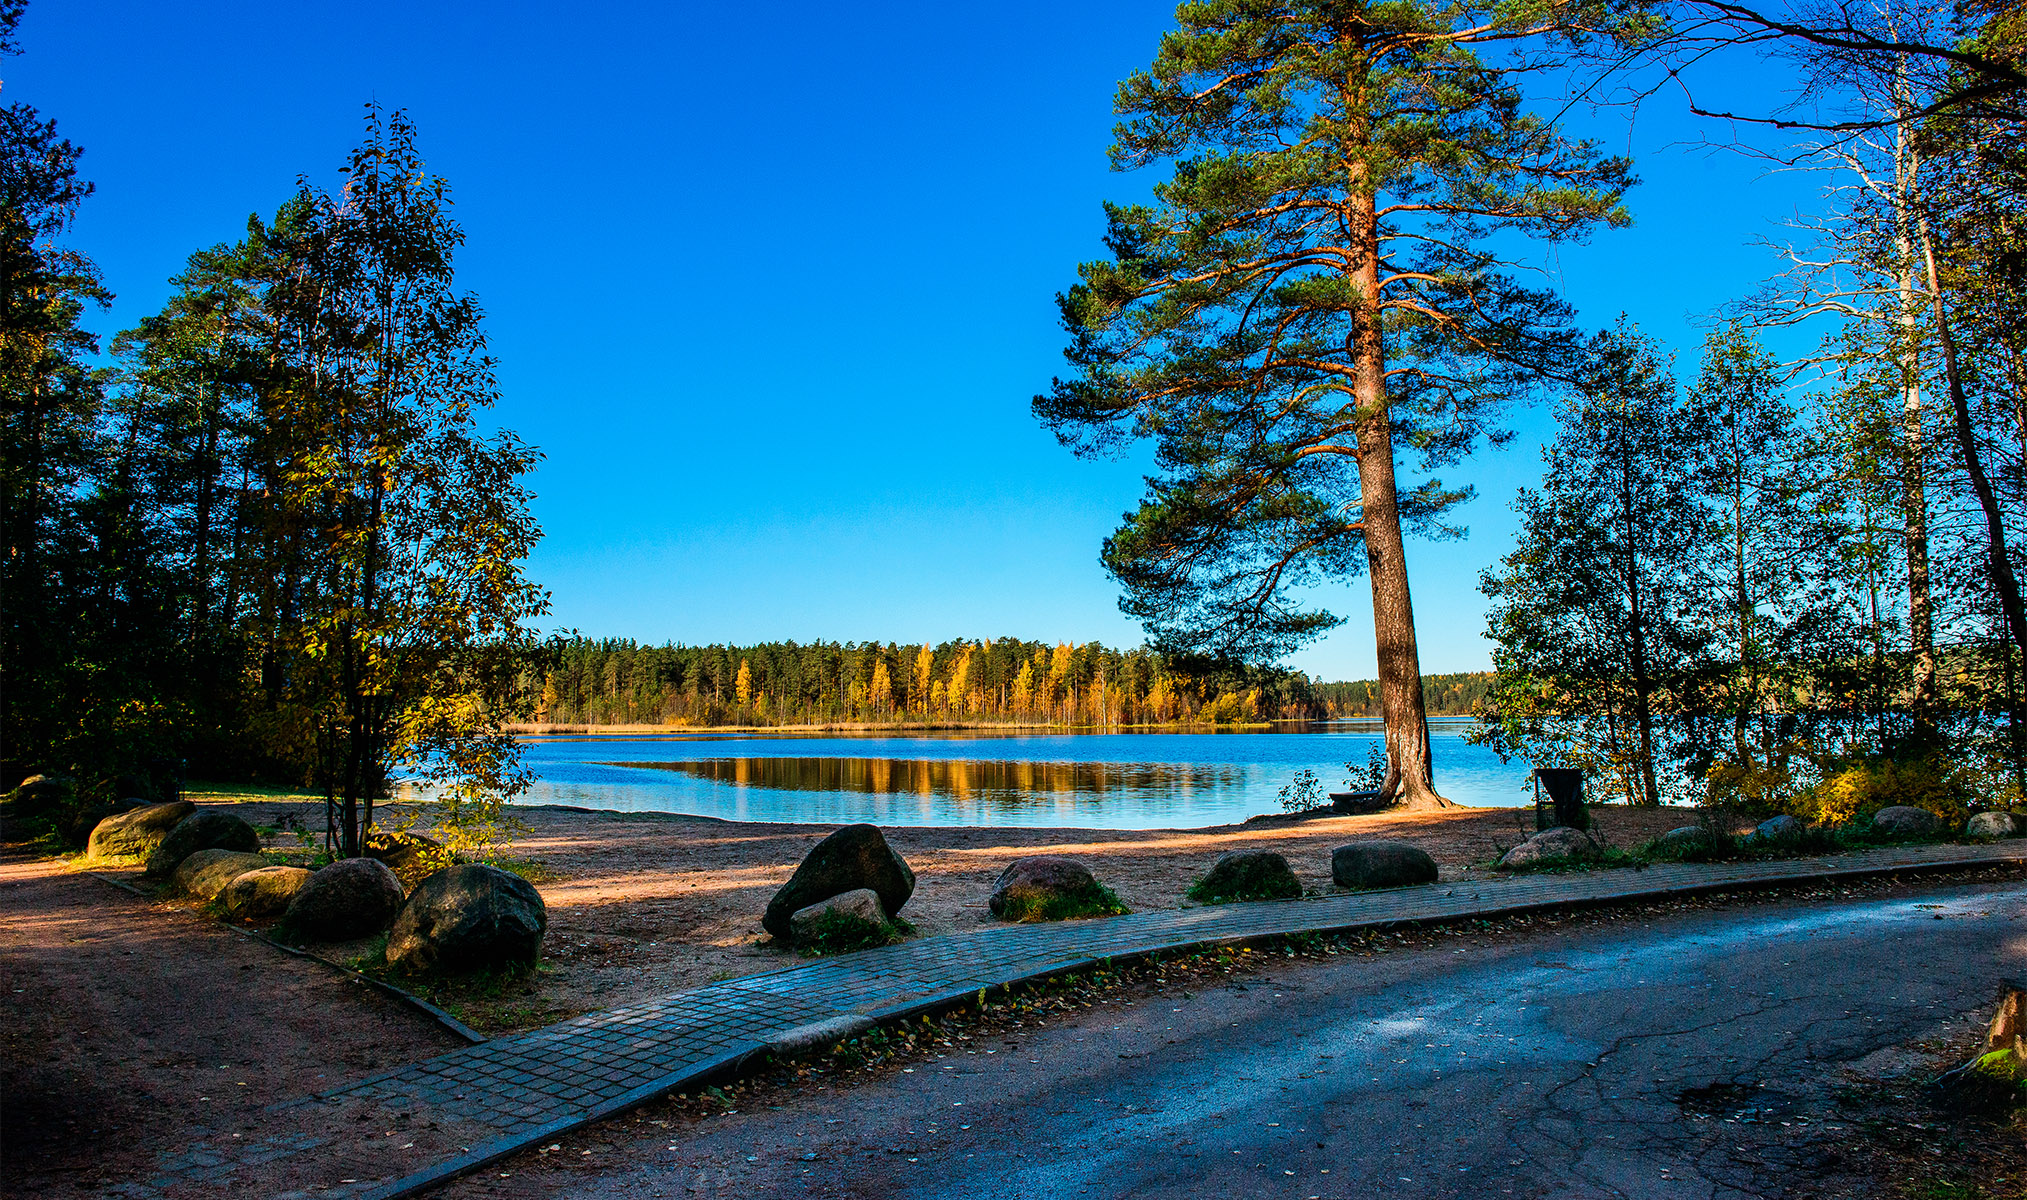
[{"x": 1690, "y": 1055}]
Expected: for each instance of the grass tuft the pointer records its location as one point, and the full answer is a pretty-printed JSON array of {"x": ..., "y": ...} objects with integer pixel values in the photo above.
[
  {"x": 1258, "y": 880},
  {"x": 1096, "y": 900},
  {"x": 841, "y": 933}
]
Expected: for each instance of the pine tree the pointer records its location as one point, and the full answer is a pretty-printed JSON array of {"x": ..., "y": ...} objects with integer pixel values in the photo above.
[{"x": 1315, "y": 282}]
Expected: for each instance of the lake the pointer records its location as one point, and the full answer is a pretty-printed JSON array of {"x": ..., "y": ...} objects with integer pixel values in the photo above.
[{"x": 1145, "y": 780}]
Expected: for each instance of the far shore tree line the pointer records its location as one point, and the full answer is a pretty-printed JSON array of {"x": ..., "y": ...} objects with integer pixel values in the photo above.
[{"x": 993, "y": 681}]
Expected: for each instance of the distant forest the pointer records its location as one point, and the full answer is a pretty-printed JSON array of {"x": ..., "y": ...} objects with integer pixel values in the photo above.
[
  {"x": 617, "y": 681},
  {"x": 1445, "y": 695}
]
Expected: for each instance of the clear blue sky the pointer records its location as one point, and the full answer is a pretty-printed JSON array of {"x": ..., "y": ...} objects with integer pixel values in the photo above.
[{"x": 771, "y": 283}]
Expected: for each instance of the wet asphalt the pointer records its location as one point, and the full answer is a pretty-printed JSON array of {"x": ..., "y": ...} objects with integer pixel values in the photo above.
[{"x": 1681, "y": 1056}]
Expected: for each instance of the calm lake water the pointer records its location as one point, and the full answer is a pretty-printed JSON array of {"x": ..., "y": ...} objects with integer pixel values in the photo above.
[{"x": 1093, "y": 780}]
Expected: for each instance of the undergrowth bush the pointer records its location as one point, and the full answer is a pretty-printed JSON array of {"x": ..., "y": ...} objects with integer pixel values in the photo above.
[
  {"x": 1097, "y": 900},
  {"x": 1855, "y": 791}
]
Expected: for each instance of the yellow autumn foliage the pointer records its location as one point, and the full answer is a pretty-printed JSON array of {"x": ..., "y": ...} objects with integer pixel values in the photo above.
[{"x": 1863, "y": 788}]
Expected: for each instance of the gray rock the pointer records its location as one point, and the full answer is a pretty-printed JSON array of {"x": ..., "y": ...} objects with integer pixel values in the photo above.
[
  {"x": 862, "y": 905},
  {"x": 1903, "y": 820},
  {"x": 1381, "y": 864},
  {"x": 1775, "y": 830},
  {"x": 206, "y": 873},
  {"x": 262, "y": 893},
  {"x": 1249, "y": 875},
  {"x": 40, "y": 793},
  {"x": 1687, "y": 840},
  {"x": 469, "y": 918},
  {"x": 854, "y": 857},
  {"x": 206, "y": 830},
  {"x": 1561, "y": 844},
  {"x": 1046, "y": 887},
  {"x": 351, "y": 898},
  {"x": 1995, "y": 825},
  {"x": 137, "y": 831}
]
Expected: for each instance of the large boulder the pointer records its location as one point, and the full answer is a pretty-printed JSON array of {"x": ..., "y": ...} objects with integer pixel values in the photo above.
[
  {"x": 1902, "y": 820},
  {"x": 1248, "y": 875},
  {"x": 1380, "y": 863},
  {"x": 262, "y": 893},
  {"x": 1776, "y": 831},
  {"x": 76, "y": 824},
  {"x": 412, "y": 856},
  {"x": 351, "y": 898},
  {"x": 468, "y": 918},
  {"x": 859, "y": 912},
  {"x": 206, "y": 873},
  {"x": 1559, "y": 845},
  {"x": 137, "y": 831},
  {"x": 854, "y": 857},
  {"x": 1995, "y": 825},
  {"x": 43, "y": 793},
  {"x": 1050, "y": 887},
  {"x": 206, "y": 830},
  {"x": 1686, "y": 842}
]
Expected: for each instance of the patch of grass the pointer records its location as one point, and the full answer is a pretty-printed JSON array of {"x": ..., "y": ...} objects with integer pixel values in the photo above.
[
  {"x": 1609, "y": 858},
  {"x": 229, "y": 793},
  {"x": 1256, "y": 880},
  {"x": 842, "y": 933},
  {"x": 1096, "y": 900},
  {"x": 534, "y": 870}
]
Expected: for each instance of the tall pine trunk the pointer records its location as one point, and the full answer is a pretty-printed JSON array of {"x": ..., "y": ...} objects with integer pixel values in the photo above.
[{"x": 1411, "y": 779}]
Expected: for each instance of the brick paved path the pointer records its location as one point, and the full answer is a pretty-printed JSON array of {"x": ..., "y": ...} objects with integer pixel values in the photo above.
[{"x": 406, "y": 1130}]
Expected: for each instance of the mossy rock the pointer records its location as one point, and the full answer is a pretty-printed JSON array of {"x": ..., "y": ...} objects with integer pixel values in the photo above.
[
  {"x": 1247, "y": 875},
  {"x": 263, "y": 892},
  {"x": 137, "y": 831},
  {"x": 1051, "y": 887},
  {"x": 203, "y": 875},
  {"x": 204, "y": 830}
]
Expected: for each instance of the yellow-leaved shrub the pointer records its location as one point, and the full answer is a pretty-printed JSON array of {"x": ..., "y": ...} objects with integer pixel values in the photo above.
[{"x": 1860, "y": 789}]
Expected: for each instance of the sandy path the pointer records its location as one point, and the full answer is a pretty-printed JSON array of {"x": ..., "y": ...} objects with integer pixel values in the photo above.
[{"x": 132, "y": 1029}]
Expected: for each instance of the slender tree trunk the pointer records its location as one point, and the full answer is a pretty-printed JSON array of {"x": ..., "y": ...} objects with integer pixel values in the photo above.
[
  {"x": 2000, "y": 564},
  {"x": 1411, "y": 780},
  {"x": 1914, "y": 443}
]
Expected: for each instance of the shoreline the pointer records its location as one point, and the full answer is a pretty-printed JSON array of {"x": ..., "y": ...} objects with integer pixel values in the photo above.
[{"x": 526, "y": 729}]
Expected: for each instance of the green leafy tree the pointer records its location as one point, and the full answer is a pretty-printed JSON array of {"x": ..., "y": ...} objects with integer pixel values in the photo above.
[
  {"x": 400, "y": 526},
  {"x": 1596, "y": 613},
  {"x": 1319, "y": 279},
  {"x": 1785, "y": 626},
  {"x": 58, "y": 701}
]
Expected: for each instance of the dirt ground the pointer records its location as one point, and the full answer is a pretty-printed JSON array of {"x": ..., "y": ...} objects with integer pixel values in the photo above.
[
  {"x": 132, "y": 1029},
  {"x": 641, "y": 904}
]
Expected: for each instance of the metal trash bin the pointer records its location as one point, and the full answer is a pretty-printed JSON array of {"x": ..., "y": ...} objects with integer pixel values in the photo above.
[{"x": 1559, "y": 798}]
